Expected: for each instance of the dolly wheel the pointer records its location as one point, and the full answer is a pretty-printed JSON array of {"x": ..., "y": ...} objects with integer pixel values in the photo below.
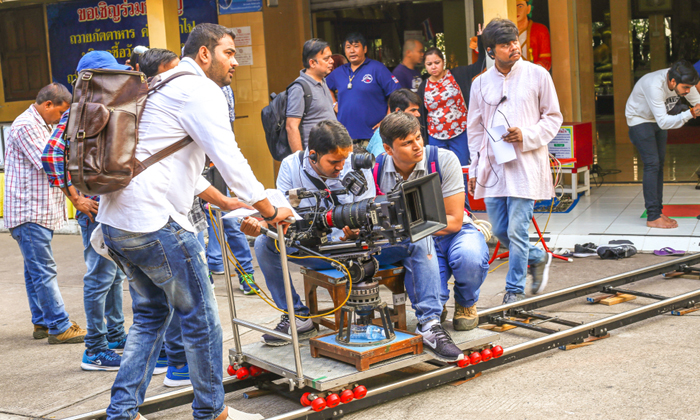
[
  {"x": 464, "y": 362},
  {"x": 360, "y": 392},
  {"x": 305, "y": 399},
  {"x": 475, "y": 358},
  {"x": 346, "y": 396},
  {"x": 231, "y": 371},
  {"x": 242, "y": 373},
  {"x": 332, "y": 400},
  {"x": 318, "y": 404},
  {"x": 486, "y": 355},
  {"x": 256, "y": 371},
  {"x": 497, "y": 351}
]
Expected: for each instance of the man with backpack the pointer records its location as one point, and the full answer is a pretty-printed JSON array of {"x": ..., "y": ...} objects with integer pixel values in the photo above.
[
  {"x": 311, "y": 81},
  {"x": 146, "y": 228},
  {"x": 461, "y": 248}
]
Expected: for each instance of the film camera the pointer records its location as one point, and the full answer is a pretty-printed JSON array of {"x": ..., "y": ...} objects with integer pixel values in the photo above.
[{"x": 412, "y": 210}]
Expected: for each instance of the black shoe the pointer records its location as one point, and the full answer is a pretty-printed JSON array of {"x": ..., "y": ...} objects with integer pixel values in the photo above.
[
  {"x": 585, "y": 250},
  {"x": 437, "y": 340},
  {"x": 305, "y": 329},
  {"x": 615, "y": 252},
  {"x": 511, "y": 297},
  {"x": 540, "y": 274}
]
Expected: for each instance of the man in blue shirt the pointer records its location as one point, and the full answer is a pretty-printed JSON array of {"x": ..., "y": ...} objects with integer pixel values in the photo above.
[
  {"x": 363, "y": 86},
  {"x": 406, "y": 72}
]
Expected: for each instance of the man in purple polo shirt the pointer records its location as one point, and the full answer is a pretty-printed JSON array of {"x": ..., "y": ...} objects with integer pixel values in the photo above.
[
  {"x": 363, "y": 86},
  {"x": 406, "y": 72}
]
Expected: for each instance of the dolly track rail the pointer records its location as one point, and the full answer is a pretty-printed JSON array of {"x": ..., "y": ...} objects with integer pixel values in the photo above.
[{"x": 451, "y": 373}]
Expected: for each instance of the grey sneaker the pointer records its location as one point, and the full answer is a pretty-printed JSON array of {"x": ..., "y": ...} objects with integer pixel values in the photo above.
[
  {"x": 437, "y": 340},
  {"x": 511, "y": 297},
  {"x": 540, "y": 275},
  {"x": 585, "y": 250},
  {"x": 305, "y": 329},
  {"x": 615, "y": 252}
]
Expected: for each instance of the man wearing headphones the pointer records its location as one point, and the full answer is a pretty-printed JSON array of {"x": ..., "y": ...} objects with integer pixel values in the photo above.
[
  {"x": 322, "y": 165},
  {"x": 653, "y": 108},
  {"x": 520, "y": 96}
]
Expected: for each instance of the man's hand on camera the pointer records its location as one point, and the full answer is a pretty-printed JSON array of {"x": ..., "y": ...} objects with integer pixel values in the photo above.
[
  {"x": 251, "y": 226},
  {"x": 232, "y": 203},
  {"x": 471, "y": 186},
  {"x": 514, "y": 135},
  {"x": 350, "y": 234}
]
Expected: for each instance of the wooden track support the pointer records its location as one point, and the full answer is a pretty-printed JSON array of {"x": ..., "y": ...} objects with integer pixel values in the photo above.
[
  {"x": 502, "y": 328},
  {"x": 610, "y": 300},
  {"x": 586, "y": 342}
]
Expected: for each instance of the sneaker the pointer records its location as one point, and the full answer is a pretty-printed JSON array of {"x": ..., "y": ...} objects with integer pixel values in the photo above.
[
  {"x": 540, "y": 274},
  {"x": 40, "y": 332},
  {"x": 436, "y": 339},
  {"x": 217, "y": 272},
  {"x": 104, "y": 360},
  {"x": 465, "y": 319},
  {"x": 240, "y": 415},
  {"x": 511, "y": 297},
  {"x": 585, "y": 250},
  {"x": 245, "y": 282},
  {"x": 615, "y": 252},
  {"x": 177, "y": 377},
  {"x": 161, "y": 363},
  {"x": 443, "y": 315},
  {"x": 305, "y": 329},
  {"x": 72, "y": 335},
  {"x": 117, "y": 346}
]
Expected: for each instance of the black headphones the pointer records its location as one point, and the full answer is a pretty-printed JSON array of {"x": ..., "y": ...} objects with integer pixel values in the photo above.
[
  {"x": 313, "y": 157},
  {"x": 490, "y": 53}
]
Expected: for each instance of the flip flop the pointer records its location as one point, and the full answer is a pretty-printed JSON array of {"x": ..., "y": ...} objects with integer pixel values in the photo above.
[{"x": 665, "y": 252}]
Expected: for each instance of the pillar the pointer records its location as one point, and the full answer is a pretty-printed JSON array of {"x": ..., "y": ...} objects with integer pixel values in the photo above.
[
  {"x": 499, "y": 8},
  {"x": 657, "y": 42},
  {"x": 620, "y": 16},
  {"x": 163, "y": 25},
  {"x": 562, "y": 33}
]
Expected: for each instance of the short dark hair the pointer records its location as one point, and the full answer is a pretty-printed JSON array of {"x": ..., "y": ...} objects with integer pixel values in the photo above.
[
  {"x": 410, "y": 45},
  {"x": 153, "y": 58},
  {"x": 54, "y": 92},
  {"x": 682, "y": 71},
  {"x": 311, "y": 49},
  {"x": 327, "y": 137},
  {"x": 433, "y": 51},
  {"x": 205, "y": 35},
  {"x": 499, "y": 31},
  {"x": 354, "y": 37},
  {"x": 397, "y": 125},
  {"x": 402, "y": 99}
]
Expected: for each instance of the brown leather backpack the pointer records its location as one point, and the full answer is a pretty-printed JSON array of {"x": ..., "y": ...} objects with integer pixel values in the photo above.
[{"x": 103, "y": 129}]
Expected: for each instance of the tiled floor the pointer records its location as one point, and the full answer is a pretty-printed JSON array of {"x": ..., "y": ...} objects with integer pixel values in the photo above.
[{"x": 614, "y": 212}]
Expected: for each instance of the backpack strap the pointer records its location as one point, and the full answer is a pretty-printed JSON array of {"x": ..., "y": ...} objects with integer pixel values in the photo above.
[
  {"x": 308, "y": 95},
  {"x": 377, "y": 172},
  {"x": 320, "y": 186},
  {"x": 433, "y": 162}
]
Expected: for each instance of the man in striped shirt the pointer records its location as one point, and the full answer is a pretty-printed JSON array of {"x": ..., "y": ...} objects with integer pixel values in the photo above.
[{"x": 33, "y": 210}]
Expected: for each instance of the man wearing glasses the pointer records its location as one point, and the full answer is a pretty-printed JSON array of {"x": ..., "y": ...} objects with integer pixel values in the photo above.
[{"x": 520, "y": 96}]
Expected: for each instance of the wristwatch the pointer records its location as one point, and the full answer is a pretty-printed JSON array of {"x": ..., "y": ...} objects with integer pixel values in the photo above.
[{"x": 271, "y": 218}]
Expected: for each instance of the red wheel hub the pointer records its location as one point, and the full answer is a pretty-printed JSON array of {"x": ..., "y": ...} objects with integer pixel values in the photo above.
[
  {"x": 255, "y": 371},
  {"x": 242, "y": 373},
  {"x": 318, "y": 404},
  {"x": 360, "y": 392},
  {"x": 486, "y": 355},
  {"x": 231, "y": 371},
  {"x": 305, "y": 399},
  {"x": 497, "y": 351},
  {"x": 475, "y": 358},
  {"x": 464, "y": 362},
  {"x": 332, "y": 400},
  {"x": 346, "y": 396}
]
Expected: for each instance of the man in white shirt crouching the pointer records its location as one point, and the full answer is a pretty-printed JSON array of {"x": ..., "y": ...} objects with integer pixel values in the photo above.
[{"x": 145, "y": 225}]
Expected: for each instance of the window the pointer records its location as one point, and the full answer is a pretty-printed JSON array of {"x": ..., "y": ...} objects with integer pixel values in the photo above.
[{"x": 23, "y": 54}]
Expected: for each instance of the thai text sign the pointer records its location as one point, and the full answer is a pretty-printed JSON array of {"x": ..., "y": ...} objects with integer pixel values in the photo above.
[{"x": 116, "y": 26}]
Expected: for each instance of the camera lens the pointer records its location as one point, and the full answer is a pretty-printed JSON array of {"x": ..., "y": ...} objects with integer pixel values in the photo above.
[
  {"x": 353, "y": 215},
  {"x": 362, "y": 161}
]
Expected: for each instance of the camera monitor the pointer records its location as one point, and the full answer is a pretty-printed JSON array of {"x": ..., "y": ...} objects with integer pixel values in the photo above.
[{"x": 425, "y": 208}]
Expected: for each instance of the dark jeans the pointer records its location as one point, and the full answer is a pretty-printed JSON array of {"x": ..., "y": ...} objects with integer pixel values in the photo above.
[{"x": 650, "y": 141}]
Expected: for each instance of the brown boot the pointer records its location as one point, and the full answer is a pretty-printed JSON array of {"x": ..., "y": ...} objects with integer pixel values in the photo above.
[
  {"x": 40, "y": 332},
  {"x": 72, "y": 335},
  {"x": 443, "y": 315},
  {"x": 465, "y": 319}
]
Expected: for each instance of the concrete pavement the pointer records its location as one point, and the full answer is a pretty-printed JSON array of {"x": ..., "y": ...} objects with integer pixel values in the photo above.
[{"x": 644, "y": 371}]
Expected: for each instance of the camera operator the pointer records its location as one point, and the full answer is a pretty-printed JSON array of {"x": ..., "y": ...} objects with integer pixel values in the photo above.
[
  {"x": 327, "y": 160},
  {"x": 461, "y": 248}
]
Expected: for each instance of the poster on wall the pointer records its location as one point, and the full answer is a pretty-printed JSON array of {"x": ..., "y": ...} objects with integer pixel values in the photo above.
[
  {"x": 229, "y": 7},
  {"x": 116, "y": 26},
  {"x": 561, "y": 146}
]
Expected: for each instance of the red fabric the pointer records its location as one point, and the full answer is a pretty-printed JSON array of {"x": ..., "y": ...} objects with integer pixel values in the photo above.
[
  {"x": 539, "y": 46},
  {"x": 447, "y": 112}
]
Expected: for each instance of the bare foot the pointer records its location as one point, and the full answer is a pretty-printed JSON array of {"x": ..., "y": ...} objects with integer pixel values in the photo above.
[
  {"x": 661, "y": 223},
  {"x": 668, "y": 219}
]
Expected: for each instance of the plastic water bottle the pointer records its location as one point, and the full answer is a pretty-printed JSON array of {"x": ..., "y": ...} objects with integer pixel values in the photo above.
[{"x": 370, "y": 333}]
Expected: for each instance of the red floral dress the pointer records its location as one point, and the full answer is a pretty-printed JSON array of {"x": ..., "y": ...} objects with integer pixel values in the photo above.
[{"x": 447, "y": 112}]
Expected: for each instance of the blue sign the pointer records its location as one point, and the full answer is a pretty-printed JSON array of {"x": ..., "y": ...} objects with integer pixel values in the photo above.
[
  {"x": 228, "y": 7},
  {"x": 117, "y": 26}
]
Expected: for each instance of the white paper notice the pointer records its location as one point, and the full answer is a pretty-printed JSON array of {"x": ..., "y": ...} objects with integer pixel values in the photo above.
[
  {"x": 243, "y": 38},
  {"x": 502, "y": 150},
  {"x": 244, "y": 56},
  {"x": 277, "y": 199}
]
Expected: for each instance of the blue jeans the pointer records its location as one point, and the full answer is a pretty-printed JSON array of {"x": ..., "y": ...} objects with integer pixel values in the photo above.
[
  {"x": 510, "y": 218},
  {"x": 422, "y": 274},
  {"x": 102, "y": 293},
  {"x": 237, "y": 241},
  {"x": 465, "y": 255},
  {"x": 459, "y": 145},
  {"x": 167, "y": 268},
  {"x": 45, "y": 300}
]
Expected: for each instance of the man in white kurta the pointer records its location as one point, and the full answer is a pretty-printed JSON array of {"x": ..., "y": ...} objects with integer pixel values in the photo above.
[{"x": 520, "y": 96}]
